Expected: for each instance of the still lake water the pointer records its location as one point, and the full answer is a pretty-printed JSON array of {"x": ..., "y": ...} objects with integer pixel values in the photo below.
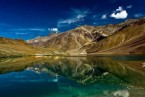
[{"x": 56, "y": 76}]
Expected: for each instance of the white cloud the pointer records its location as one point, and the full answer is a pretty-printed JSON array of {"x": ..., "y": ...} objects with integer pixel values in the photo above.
[
  {"x": 138, "y": 15},
  {"x": 20, "y": 33},
  {"x": 104, "y": 16},
  {"x": 69, "y": 21},
  {"x": 79, "y": 13},
  {"x": 120, "y": 13},
  {"x": 81, "y": 16},
  {"x": 53, "y": 29},
  {"x": 119, "y": 8},
  {"x": 37, "y": 29},
  {"x": 30, "y": 29},
  {"x": 129, "y": 6},
  {"x": 76, "y": 16}
]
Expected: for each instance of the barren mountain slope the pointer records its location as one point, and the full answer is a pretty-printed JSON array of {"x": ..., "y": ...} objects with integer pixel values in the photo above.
[
  {"x": 11, "y": 47},
  {"x": 72, "y": 41},
  {"x": 38, "y": 41},
  {"x": 130, "y": 40},
  {"x": 124, "y": 38}
]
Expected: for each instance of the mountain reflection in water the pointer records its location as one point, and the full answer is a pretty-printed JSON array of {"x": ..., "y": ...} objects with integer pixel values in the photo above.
[{"x": 57, "y": 76}]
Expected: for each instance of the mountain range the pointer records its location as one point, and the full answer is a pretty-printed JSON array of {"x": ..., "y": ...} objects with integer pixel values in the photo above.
[{"x": 125, "y": 38}]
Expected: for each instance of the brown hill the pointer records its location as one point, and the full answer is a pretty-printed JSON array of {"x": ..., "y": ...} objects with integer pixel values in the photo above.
[
  {"x": 11, "y": 47},
  {"x": 72, "y": 41},
  {"x": 130, "y": 40},
  {"x": 38, "y": 41},
  {"x": 124, "y": 38}
]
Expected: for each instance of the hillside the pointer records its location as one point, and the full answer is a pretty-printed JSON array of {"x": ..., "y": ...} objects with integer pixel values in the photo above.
[
  {"x": 16, "y": 47},
  {"x": 130, "y": 40},
  {"x": 73, "y": 40},
  {"x": 124, "y": 38},
  {"x": 11, "y": 47},
  {"x": 38, "y": 41}
]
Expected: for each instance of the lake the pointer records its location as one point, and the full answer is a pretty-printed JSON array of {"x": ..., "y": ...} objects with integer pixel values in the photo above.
[{"x": 58, "y": 76}]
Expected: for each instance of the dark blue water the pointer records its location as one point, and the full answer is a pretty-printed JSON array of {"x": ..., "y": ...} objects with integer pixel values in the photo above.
[{"x": 71, "y": 77}]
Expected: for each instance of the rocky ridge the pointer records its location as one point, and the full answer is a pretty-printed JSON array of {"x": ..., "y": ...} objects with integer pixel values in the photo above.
[{"x": 88, "y": 39}]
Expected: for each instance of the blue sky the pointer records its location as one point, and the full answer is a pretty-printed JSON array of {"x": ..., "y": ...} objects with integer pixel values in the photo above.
[{"x": 27, "y": 19}]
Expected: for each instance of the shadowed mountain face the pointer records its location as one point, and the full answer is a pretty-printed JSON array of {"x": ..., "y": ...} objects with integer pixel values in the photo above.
[{"x": 123, "y": 38}]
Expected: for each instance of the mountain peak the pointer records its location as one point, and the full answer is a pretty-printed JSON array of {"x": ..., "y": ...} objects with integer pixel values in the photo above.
[{"x": 124, "y": 38}]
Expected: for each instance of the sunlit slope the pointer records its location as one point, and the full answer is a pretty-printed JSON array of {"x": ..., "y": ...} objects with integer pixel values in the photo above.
[
  {"x": 124, "y": 38},
  {"x": 10, "y": 47},
  {"x": 71, "y": 41},
  {"x": 130, "y": 40}
]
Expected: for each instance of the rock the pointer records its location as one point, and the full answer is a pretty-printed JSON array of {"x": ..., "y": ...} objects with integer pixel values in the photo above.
[{"x": 143, "y": 65}]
